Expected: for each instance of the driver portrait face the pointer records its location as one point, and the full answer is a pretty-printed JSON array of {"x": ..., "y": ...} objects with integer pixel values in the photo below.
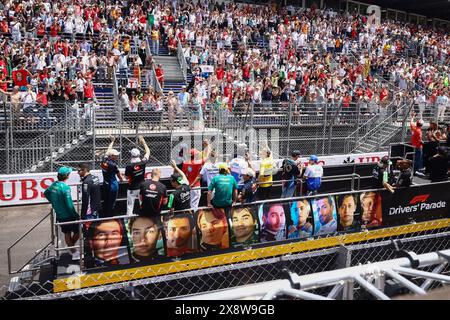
[
  {"x": 368, "y": 201},
  {"x": 347, "y": 210},
  {"x": 106, "y": 240},
  {"x": 302, "y": 210},
  {"x": 213, "y": 226},
  {"x": 325, "y": 210},
  {"x": 178, "y": 231},
  {"x": 144, "y": 234},
  {"x": 244, "y": 224},
  {"x": 274, "y": 219}
]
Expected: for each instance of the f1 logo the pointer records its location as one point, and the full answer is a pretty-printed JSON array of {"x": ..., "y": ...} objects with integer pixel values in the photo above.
[{"x": 421, "y": 198}]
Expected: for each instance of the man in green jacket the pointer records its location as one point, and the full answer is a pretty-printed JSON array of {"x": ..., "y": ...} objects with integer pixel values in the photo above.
[{"x": 59, "y": 195}]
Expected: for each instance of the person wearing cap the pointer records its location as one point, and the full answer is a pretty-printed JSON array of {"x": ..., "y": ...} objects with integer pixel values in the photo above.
[
  {"x": 91, "y": 195},
  {"x": 440, "y": 165},
  {"x": 267, "y": 169},
  {"x": 135, "y": 173},
  {"x": 59, "y": 195},
  {"x": 180, "y": 198},
  {"x": 417, "y": 143},
  {"x": 110, "y": 173},
  {"x": 248, "y": 189},
  {"x": 224, "y": 187},
  {"x": 291, "y": 170},
  {"x": 313, "y": 175},
  {"x": 381, "y": 175}
]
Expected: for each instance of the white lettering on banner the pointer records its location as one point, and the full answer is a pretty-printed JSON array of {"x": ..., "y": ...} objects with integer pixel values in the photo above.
[
  {"x": 20, "y": 189},
  {"x": 417, "y": 207}
]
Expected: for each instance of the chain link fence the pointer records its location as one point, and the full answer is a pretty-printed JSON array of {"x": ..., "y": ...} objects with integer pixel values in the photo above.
[
  {"x": 219, "y": 272},
  {"x": 42, "y": 139}
]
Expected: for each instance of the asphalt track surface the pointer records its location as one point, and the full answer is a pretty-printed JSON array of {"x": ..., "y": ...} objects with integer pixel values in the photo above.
[{"x": 15, "y": 221}]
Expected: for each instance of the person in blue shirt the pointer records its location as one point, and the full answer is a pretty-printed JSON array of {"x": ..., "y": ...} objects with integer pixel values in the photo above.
[
  {"x": 313, "y": 175},
  {"x": 110, "y": 173},
  {"x": 248, "y": 189}
]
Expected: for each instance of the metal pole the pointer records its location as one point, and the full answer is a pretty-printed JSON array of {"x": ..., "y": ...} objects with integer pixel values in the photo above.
[
  {"x": 288, "y": 147},
  {"x": 51, "y": 137},
  {"x": 324, "y": 128},
  {"x": 93, "y": 138}
]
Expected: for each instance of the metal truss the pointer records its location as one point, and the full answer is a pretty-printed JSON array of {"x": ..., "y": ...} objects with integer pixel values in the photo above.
[{"x": 342, "y": 284}]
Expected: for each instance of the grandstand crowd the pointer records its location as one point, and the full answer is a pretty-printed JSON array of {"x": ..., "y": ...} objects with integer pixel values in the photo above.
[{"x": 52, "y": 53}]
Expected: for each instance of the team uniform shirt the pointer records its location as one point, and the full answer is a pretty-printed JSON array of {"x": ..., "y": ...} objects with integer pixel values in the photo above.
[
  {"x": 152, "y": 194},
  {"x": 314, "y": 173},
  {"x": 223, "y": 186},
  {"x": 237, "y": 168},
  {"x": 208, "y": 172},
  {"x": 59, "y": 195},
  {"x": 180, "y": 199},
  {"x": 379, "y": 176},
  {"x": 192, "y": 169},
  {"x": 246, "y": 191},
  {"x": 109, "y": 171},
  {"x": 266, "y": 171},
  {"x": 90, "y": 195},
  {"x": 135, "y": 173},
  {"x": 290, "y": 171},
  {"x": 416, "y": 137}
]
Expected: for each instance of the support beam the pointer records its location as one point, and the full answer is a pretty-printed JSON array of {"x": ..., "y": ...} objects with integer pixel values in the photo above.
[
  {"x": 370, "y": 288},
  {"x": 405, "y": 282}
]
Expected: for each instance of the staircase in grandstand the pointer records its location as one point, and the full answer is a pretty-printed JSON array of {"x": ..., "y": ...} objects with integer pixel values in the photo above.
[{"x": 378, "y": 132}]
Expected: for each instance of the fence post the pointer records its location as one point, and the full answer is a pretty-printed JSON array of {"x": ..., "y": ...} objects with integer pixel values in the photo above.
[
  {"x": 288, "y": 146},
  {"x": 324, "y": 127},
  {"x": 51, "y": 137},
  {"x": 93, "y": 137}
]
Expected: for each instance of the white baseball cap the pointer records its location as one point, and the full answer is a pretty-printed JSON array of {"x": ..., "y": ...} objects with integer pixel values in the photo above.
[
  {"x": 112, "y": 152},
  {"x": 135, "y": 153},
  {"x": 249, "y": 172}
]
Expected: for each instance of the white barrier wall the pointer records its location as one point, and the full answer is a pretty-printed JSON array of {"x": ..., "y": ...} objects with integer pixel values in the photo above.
[{"x": 20, "y": 189}]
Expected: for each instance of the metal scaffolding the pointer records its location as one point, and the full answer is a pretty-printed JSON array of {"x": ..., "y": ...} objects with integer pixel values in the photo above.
[{"x": 373, "y": 278}]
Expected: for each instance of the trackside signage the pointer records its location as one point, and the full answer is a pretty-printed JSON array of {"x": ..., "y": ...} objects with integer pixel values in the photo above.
[
  {"x": 20, "y": 189},
  {"x": 418, "y": 204}
]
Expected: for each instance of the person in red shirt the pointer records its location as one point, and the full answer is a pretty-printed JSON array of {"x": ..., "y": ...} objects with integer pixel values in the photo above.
[
  {"x": 220, "y": 73},
  {"x": 160, "y": 75},
  {"x": 417, "y": 143},
  {"x": 89, "y": 90},
  {"x": 43, "y": 112},
  {"x": 192, "y": 169}
]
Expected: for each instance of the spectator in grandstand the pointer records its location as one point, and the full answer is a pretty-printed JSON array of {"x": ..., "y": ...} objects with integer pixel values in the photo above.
[
  {"x": 107, "y": 243},
  {"x": 382, "y": 175},
  {"x": 404, "y": 177},
  {"x": 440, "y": 165},
  {"x": 110, "y": 173},
  {"x": 213, "y": 228},
  {"x": 135, "y": 173},
  {"x": 224, "y": 189},
  {"x": 300, "y": 227},
  {"x": 325, "y": 214},
  {"x": 267, "y": 169},
  {"x": 347, "y": 205},
  {"x": 180, "y": 198},
  {"x": 244, "y": 226},
  {"x": 153, "y": 195},
  {"x": 442, "y": 102},
  {"x": 180, "y": 235},
  {"x": 248, "y": 189},
  {"x": 145, "y": 233},
  {"x": 371, "y": 207},
  {"x": 313, "y": 175},
  {"x": 292, "y": 169},
  {"x": 273, "y": 220},
  {"x": 417, "y": 143},
  {"x": 159, "y": 72},
  {"x": 91, "y": 195},
  {"x": 59, "y": 195}
]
